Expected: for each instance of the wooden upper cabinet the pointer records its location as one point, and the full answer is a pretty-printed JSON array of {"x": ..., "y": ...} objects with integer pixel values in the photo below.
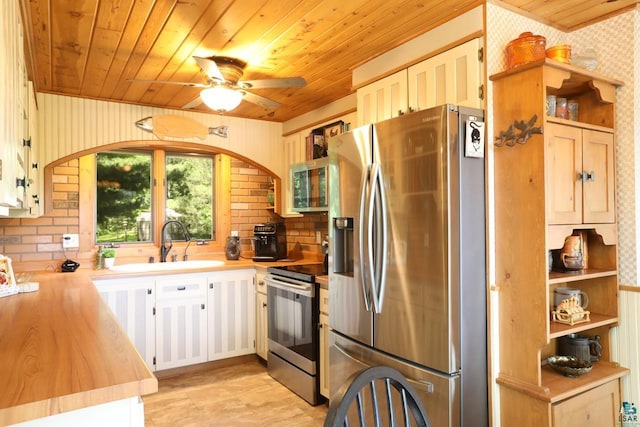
[
  {"x": 598, "y": 196},
  {"x": 580, "y": 175},
  {"x": 563, "y": 163}
]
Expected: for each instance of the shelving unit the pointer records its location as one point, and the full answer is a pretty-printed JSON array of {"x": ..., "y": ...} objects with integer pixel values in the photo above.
[{"x": 541, "y": 199}]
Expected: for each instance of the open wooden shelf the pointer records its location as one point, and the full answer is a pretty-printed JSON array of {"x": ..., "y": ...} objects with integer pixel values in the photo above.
[
  {"x": 557, "y": 330},
  {"x": 555, "y": 387},
  {"x": 556, "y": 277},
  {"x": 582, "y": 125},
  {"x": 561, "y": 387}
]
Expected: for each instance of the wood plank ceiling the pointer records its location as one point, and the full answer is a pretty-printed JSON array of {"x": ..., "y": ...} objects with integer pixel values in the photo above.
[{"x": 92, "y": 48}]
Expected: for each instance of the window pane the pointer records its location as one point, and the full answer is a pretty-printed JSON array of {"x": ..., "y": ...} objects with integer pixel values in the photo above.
[
  {"x": 123, "y": 197},
  {"x": 189, "y": 197}
]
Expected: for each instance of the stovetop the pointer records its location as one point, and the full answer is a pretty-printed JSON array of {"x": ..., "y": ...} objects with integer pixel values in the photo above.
[{"x": 304, "y": 272}]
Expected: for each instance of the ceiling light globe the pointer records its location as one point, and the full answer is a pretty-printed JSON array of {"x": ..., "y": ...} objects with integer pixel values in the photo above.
[{"x": 221, "y": 98}]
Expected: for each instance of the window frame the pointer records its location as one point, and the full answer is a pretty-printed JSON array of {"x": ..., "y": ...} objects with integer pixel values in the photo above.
[{"x": 222, "y": 202}]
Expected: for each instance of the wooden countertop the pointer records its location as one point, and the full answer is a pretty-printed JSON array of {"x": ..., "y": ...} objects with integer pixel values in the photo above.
[
  {"x": 323, "y": 281},
  {"x": 62, "y": 349}
]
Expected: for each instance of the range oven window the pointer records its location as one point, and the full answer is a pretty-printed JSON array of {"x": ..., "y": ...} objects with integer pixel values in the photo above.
[{"x": 293, "y": 317}]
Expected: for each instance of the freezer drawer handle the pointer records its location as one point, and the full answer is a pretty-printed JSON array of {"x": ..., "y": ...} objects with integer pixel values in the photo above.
[{"x": 422, "y": 385}]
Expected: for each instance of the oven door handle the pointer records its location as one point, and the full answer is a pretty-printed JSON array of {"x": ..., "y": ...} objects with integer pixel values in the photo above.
[{"x": 303, "y": 288}]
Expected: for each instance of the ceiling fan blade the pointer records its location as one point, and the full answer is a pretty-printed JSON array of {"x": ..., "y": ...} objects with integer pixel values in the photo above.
[
  {"x": 193, "y": 103},
  {"x": 274, "y": 83},
  {"x": 210, "y": 68},
  {"x": 167, "y": 82},
  {"x": 266, "y": 103}
]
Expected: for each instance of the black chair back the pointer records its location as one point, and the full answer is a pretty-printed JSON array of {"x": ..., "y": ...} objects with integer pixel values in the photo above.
[{"x": 376, "y": 396}]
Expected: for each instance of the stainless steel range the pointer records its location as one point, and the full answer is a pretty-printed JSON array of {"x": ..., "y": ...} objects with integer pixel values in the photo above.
[{"x": 293, "y": 328}]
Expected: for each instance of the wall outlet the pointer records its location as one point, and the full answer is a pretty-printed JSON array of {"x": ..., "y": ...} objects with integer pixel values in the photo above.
[
  {"x": 70, "y": 240},
  {"x": 234, "y": 233},
  {"x": 318, "y": 237}
]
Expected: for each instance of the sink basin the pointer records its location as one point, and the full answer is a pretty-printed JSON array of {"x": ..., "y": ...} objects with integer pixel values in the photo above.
[{"x": 144, "y": 267}]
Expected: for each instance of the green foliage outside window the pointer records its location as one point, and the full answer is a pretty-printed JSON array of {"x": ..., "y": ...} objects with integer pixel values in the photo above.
[
  {"x": 124, "y": 196},
  {"x": 123, "y": 193},
  {"x": 190, "y": 195}
]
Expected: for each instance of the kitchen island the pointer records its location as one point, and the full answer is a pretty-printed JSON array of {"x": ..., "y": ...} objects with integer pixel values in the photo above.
[{"x": 64, "y": 352}]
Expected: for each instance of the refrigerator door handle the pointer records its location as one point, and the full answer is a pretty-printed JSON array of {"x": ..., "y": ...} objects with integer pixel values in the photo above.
[
  {"x": 372, "y": 256},
  {"x": 365, "y": 196},
  {"x": 379, "y": 279}
]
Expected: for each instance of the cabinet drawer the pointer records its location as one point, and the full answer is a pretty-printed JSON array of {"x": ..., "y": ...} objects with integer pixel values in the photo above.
[
  {"x": 597, "y": 407},
  {"x": 261, "y": 285},
  {"x": 181, "y": 287},
  {"x": 324, "y": 301}
]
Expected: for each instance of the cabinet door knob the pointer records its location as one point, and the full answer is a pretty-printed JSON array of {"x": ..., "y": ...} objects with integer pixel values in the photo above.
[
  {"x": 591, "y": 176},
  {"x": 582, "y": 176}
]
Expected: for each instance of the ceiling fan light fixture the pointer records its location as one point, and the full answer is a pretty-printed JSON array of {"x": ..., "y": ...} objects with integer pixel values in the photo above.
[{"x": 221, "y": 98}]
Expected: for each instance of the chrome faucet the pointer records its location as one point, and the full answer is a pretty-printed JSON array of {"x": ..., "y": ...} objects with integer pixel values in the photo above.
[{"x": 164, "y": 248}]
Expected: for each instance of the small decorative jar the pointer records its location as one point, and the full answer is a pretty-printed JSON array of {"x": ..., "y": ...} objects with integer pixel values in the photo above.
[
  {"x": 551, "y": 105},
  {"x": 561, "y": 108},
  {"x": 572, "y": 110}
]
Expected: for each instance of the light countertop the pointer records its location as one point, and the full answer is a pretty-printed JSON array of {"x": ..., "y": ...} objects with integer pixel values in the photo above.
[{"x": 62, "y": 349}]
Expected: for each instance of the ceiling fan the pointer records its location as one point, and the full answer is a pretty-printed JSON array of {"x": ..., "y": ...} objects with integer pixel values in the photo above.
[{"x": 224, "y": 90}]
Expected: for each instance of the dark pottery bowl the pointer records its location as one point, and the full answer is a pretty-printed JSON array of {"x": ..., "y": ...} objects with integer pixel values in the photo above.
[{"x": 569, "y": 366}]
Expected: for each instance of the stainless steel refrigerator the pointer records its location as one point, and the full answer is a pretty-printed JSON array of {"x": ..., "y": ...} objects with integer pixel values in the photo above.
[{"x": 407, "y": 281}]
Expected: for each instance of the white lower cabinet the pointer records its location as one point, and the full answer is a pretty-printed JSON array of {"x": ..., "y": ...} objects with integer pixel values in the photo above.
[
  {"x": 231, "y": 314},
  {"x": 261, "y": 316},
  {"x": 324, "y": 343},
  {"x": 133, "y": 303},
  {"x": 181, "y": 321},
  {"x": 261, "y": 326}
]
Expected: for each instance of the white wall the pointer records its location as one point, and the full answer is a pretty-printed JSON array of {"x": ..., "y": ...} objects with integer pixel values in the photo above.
[{"x": 68, "y": 125}]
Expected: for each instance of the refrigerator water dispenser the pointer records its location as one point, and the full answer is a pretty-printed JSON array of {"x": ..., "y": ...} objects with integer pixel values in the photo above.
[{"x": 343, "y": 245}]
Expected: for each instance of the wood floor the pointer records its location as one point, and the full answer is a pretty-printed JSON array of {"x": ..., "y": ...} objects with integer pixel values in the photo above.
[{"x": 239, "y": 395}]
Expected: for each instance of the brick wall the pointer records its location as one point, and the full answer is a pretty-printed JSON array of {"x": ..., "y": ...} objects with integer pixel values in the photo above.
[
  {"x": 249, "y": 206},
  {"x": 37, "y": 242}
]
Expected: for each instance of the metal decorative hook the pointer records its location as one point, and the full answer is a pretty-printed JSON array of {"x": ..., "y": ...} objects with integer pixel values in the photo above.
[{"x": 525, "y": 130}]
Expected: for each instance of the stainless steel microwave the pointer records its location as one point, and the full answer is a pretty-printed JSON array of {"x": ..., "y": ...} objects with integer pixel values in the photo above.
[{"x": 310, "y": 186}]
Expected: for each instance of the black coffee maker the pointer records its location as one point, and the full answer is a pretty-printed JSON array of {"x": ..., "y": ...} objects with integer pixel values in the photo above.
[{"x": 270, "y": 241}]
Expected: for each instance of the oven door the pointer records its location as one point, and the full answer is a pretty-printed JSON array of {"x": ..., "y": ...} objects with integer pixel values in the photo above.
[{"x": 293, "y": 321}]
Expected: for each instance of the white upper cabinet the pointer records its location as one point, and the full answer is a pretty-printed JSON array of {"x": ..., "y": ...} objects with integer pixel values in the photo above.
[
  {"x": 13, "y": 77},
  {"x": 19, "y": 180},
  {"x": 294, "y": 152},
  {"x": 452, "y": 77},
  {"x": 383, "y": 99}
]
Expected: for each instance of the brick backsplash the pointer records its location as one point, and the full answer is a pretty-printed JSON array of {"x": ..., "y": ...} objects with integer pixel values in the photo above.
[
  {"x": 249, "y": 187},
  {"x": 37, "y": 241}
]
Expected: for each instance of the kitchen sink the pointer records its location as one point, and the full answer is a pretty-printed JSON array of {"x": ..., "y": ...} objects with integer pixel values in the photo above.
[{"x": 166, "y": 266}]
